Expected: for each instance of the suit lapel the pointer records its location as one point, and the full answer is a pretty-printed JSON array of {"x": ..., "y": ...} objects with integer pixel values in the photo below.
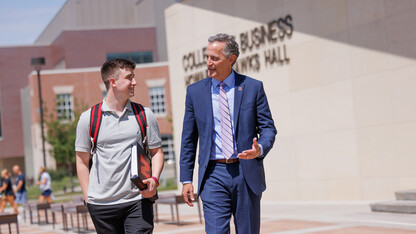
[
  {"x": 238, "y": 95},
  {"x": 206, "y": 92}
]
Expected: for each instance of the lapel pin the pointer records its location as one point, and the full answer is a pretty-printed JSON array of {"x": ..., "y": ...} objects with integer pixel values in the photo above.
[{"x": 240, "y": 88}]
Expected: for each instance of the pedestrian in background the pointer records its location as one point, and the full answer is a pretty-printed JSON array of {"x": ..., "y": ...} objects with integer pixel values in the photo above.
[
  {"x": 8, "y": 191},
  {"x": 45, "y": 186},
  {"x": 20, "y": 190}
]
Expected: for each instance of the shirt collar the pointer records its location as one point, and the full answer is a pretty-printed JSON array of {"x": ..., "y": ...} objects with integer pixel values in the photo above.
[
  {"x": 105, "y": 107},
  {"x": 229, "y": 81}
]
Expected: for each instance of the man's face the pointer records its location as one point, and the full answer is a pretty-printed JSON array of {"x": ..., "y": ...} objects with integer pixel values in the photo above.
[
  {"x": 219, "y": 66},
  {"x": 125, "y": 83}
]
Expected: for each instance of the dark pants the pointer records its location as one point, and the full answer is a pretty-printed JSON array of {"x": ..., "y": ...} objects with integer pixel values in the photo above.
[
  {"x": 226, "y": 193},
  {"x": 131, "y": 217}
]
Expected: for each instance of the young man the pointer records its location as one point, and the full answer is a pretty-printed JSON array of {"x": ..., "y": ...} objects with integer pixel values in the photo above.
[
  {"x": 20, "y": 190},
  {"x": 115, "y": 204},
  {"x": 228, "y": 113}
]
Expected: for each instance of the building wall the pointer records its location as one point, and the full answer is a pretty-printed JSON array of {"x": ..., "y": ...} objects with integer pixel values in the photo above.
[
  {"x": 79, "y": 36},
  {"x": 145, "y": 74},
  {"x": 340, "y": 87},
  {"x": 14, "y": 68},
  {"x": 108, "y": 14},
  {"x": 88, "y": 48},
  {"x": 159, "y": 12},
  {"x": 94, "y": 14},
  {"x": 28, "y": 160}
]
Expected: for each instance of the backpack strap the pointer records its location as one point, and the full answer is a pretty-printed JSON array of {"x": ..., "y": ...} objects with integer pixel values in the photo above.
[
  {"x": 141, "y": 118},
  {"x": 145, "y": 168},
  {"x": 95, "y": 123}
]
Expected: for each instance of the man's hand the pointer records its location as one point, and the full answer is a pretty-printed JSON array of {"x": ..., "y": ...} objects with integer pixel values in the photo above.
[
  {"x": 188, "y": 194},
  {"x": 151, "y": 188},
  {"x": 254, "y": 152}
]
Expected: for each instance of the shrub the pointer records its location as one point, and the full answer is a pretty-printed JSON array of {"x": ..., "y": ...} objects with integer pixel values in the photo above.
[{"x": 58, "y": 174}]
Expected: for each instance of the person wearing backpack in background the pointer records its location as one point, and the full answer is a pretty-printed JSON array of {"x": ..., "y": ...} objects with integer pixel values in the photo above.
[{"x": 114, "y": 203}]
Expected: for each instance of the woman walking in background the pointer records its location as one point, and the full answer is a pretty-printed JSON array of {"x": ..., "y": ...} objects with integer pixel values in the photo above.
[
  {"x": 45, "y": 186},
  {"x": 8, "y": 191}
]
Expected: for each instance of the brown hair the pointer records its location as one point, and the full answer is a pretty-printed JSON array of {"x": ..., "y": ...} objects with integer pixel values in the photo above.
[{"x": 111, "y": 69}]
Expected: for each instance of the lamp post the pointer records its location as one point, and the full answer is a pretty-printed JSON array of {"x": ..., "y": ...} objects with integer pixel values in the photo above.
[{"x": 38, "y": 63}]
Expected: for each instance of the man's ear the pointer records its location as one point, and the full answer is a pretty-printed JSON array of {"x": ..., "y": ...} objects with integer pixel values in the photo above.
[
  {"x": 232, "y": 58},
  {"x": 112, "y": 81}
]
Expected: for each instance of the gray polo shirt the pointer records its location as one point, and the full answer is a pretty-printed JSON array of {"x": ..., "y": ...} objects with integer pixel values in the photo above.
[{"x": 109, "y": 181}]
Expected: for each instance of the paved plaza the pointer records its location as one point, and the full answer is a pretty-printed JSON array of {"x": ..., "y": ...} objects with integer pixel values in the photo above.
[{"x": 277, "y": 217}]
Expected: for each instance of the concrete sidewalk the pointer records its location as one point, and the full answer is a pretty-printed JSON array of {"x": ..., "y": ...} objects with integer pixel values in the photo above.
[
  {"x": 309, "y": 217},
  {"x": 277, "y": 217}
]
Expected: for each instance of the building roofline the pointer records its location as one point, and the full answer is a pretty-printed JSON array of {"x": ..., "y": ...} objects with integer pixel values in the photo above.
[
  {"x": 88, "y": 28},
  {"x": 94, "y": 69},
  {"x": 50, "y": 22}
]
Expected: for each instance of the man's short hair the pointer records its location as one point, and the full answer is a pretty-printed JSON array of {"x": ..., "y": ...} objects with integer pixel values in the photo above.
[
  {"x": 231, "y": 46},
  {"x": 111, "y": 69}
]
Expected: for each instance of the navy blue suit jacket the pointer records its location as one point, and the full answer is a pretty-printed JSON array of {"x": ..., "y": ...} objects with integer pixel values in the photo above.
[{"x": 252, "y": 118}]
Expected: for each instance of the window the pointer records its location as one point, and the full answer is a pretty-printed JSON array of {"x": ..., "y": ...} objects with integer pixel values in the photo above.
[
  {"x": 167, "y": 146},
  {"x": 64, "y": 106},
  {"x": 157, "y": 100},
  {"x": 138, "y": 57}
]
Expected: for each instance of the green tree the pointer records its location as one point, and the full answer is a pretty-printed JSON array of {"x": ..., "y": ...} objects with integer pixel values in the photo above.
[{"x": 61, "y": 135}]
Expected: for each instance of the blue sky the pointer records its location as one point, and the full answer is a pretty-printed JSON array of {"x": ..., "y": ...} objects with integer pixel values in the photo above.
[{"x": 22, "y": 21}]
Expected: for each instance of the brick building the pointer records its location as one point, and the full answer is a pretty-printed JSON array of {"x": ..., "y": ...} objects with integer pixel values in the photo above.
[{"x": 75, "y": 44}]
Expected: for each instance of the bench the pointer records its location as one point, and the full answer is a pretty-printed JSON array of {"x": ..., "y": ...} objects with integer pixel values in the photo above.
[
  {"x": 6, "y": 218},
  {"x": 59, "y": 208},
  {"x": 30, "y": 207},
  {"x": 76, "y": 209},
  {"x": 174, "y": 200},
  {"x": 70, "y": 208}
]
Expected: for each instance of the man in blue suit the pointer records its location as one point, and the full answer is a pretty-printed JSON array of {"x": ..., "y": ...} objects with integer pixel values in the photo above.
[{"x": 229, "y": 114}]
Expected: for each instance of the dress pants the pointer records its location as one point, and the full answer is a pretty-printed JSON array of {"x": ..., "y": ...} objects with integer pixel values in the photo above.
[{"x": 225, "y": 193}]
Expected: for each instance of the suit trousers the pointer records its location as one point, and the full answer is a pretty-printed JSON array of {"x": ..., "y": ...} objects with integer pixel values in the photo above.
[
  {"x": 225, "y": 193},
  {"x": 130, "y": 217}
]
